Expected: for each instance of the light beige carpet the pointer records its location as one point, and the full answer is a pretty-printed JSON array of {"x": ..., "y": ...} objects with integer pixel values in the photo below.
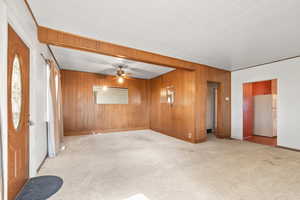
[{"x": 144, "y": 165}]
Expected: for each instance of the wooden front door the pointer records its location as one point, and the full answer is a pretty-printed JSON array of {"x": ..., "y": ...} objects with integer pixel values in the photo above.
[{"x": 18, "y": 113}]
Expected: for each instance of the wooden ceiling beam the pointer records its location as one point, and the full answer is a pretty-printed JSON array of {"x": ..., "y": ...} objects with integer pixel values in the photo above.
[{"x": 68, "y": 40}]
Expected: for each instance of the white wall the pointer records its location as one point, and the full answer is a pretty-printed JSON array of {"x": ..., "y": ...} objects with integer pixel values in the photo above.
[
  {"x": 288, "y": 74},
  {"x": 3, "y": 89},
  {"x": 16, "y": 14}
]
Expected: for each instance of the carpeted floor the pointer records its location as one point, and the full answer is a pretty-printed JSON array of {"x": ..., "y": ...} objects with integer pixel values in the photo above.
[{"x": 144, "y": 165}]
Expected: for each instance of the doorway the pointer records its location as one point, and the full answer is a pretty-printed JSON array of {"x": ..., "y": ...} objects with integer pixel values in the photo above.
[
  {"x": 18, "y": 113},
  {"x": 260, "y": 112},
  {"x": 212, "y": 108}
]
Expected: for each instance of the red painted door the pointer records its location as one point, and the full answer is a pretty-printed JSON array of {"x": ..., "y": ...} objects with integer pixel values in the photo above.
[{"x": 248, "y": 110}]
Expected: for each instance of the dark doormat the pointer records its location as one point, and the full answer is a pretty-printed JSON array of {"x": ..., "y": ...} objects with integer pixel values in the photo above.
[{"x": 40, "y": 188}]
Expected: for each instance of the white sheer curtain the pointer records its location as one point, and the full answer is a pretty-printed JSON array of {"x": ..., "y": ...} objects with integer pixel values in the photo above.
[{"x": 55, "y": 116}]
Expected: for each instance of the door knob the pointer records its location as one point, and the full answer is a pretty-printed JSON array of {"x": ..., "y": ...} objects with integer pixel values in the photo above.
[{"x": 30, "y": 123}]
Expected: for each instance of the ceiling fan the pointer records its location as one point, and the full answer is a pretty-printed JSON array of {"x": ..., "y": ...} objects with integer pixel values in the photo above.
[
  {"x": 121, "y": 74},
  {"x": 122, "y": 71}
]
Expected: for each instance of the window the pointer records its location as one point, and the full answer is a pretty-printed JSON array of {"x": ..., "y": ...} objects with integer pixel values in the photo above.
[
  {"x": 16, "y": 92},
  {"x": 110, "y": 95}
]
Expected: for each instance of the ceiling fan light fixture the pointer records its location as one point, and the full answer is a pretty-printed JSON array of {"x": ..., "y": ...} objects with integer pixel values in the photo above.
[
  {"x": 104, "y": 88},
  {"x": 120, "y": 79}
]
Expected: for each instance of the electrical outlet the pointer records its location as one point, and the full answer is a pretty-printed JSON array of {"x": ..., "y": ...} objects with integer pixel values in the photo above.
[{"x": 190, "y": 135}]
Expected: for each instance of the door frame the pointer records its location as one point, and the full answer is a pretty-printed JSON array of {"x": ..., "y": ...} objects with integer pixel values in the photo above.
[
  {"x": 218, "y": 106},
  {"x": 15, "y": 24},
  {"x": 7, "y": 17},
  {"x": 25, "y": 111},
  {"x": 3, "y": 95},
  {"x": 248, "y": 107}
]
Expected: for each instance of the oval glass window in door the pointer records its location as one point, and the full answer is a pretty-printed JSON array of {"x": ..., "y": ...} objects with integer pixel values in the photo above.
[{"x": 16, "y": 92}]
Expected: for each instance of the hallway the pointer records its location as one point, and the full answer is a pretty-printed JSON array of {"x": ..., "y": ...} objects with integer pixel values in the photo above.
[{"x": 145, "y": 165}]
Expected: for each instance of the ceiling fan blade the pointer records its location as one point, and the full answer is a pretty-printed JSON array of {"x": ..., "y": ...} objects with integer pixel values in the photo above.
[
  {"x": 129, "y": 74},
  {"x": 108, "y": 71},
  {"x": 142, "y": 72},
  {"x": 127, "y": 62},
  {"x": 128, "y": 78},
  {"x": 95, "y": 60},
  {"x": 119, "y": 65}
]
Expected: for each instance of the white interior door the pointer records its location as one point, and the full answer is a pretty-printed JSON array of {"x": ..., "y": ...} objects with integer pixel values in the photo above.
[{"x": 263, "y": 115}]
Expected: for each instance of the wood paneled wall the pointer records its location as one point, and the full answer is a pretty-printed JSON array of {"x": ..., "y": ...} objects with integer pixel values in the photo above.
[
  {"x": 177, "y": 120},
  {"x": 186, "y": 119},
  {"x": 148, "y": 107},
  {"x": 203, "y": 76},
  {"x": 83, "y": 116}
]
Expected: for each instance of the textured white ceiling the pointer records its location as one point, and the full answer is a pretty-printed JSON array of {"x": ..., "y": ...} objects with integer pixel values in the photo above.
[
  {"x": 90, "y": 62},
  {"x": 227, "y": 34}
]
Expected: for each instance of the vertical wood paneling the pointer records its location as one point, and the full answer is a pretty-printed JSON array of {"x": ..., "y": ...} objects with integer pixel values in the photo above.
[
  {"x": 155, "y": 110},
  {"x": 201, "y": 75},
  {"x": 223, "y": 78},
  {"x": 177, "y": 120},
  {"x": 187, "y": 118},
  {"x": 83, "y": 116}
]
